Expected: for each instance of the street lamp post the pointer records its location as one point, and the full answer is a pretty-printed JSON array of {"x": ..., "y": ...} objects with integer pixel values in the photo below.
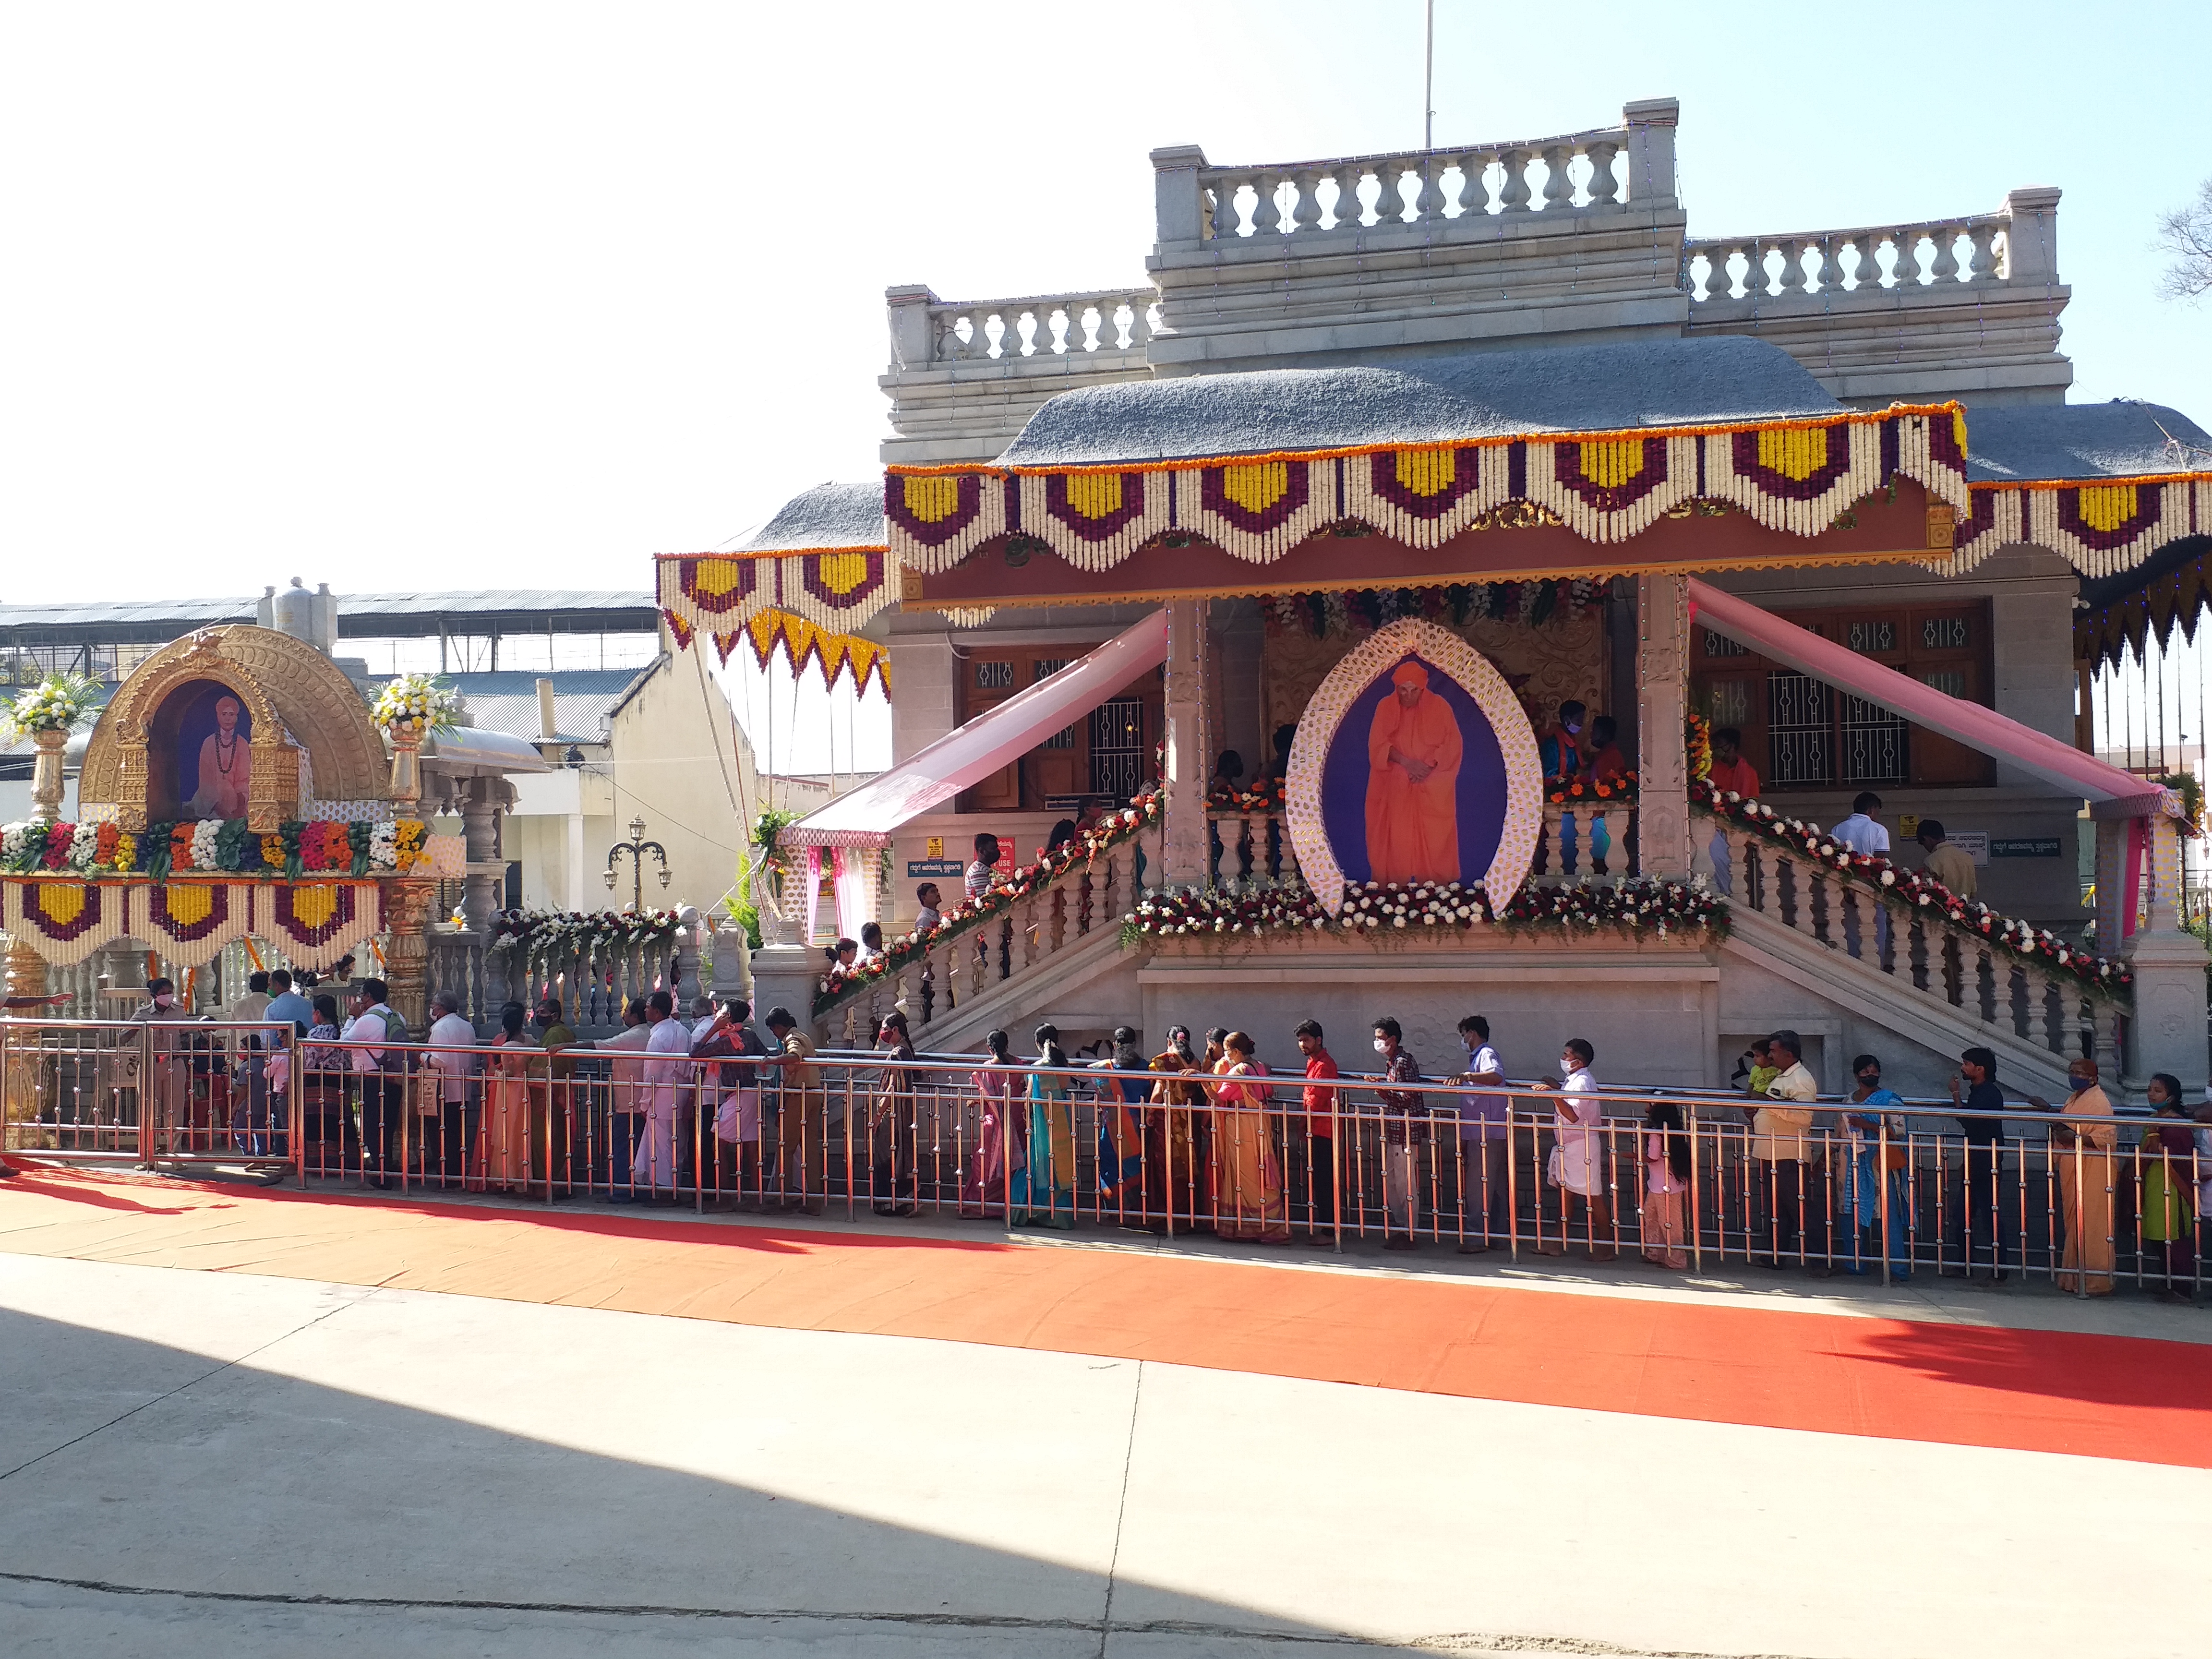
[{"x": 637, "y": 847}]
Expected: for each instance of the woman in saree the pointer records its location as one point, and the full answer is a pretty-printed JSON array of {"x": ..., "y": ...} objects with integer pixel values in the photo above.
[
  {"x": 1044, "y": 1192},
  {"x": 505, "y": 1158},
  {"x": 1000, "y": 1135},
  {"x": 1247, "y": 1175},
  {"x": 1171, "y": 1159},
  {"x": 1121, "y": 1132},
  {"x": 2168, "y": 1199}
]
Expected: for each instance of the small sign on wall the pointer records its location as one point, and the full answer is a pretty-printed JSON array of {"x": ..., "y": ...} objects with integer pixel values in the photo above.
[
  {"x": 1974, "y": 844},
  {"x": 922, "y": 868},
  {"x": 1908, "y": 826},
  {"x": 2028, "y": 846},
  {"x": 936, "y": 848}
]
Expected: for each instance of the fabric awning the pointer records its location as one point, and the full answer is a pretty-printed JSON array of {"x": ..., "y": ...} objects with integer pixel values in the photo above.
[
  {"x": 867, "y": 816},
  {"x": 2057, "y": 763}
]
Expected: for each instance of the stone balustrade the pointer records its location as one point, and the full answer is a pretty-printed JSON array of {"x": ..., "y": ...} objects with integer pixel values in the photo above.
[
  {"x": 951, "y": 974},
  {"x": 1100, "y": 325},
  {"x": 2047, "y": 1008},
  {"x": 1253, "y": 849},
  {"x": 1973, "y": 251},
  {"x": 1579, "y": 172}
]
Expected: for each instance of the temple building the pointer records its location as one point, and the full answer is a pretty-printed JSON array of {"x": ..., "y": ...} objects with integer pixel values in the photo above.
[{"x": 1291, "y": 553}]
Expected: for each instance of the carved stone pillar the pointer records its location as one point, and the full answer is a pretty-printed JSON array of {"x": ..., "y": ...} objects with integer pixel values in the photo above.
[
  {"x": 407, "y": 904},
  {"x": 732, "y": 975},
  {"x": 480, "y": 806},
  {"x": 2111, "y": 878},
  {"x": 1662, "y": 680},
  {"x": 688, "y": 930},
  {"x": 2168, "y": 1032},
  {"x": 1182, "y": 849}
]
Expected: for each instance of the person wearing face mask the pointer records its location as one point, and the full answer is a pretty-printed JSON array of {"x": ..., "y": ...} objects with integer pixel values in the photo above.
[
  {"x": 1577, "y": 1165},
  {"x": 1483, "y": 1128},
  {"x": 1404, "y": 1132},
  {"x": 1560, "y": 749},
  {"x": 2082, "y": 1151},
  {"x": 173, "y": 1078}
]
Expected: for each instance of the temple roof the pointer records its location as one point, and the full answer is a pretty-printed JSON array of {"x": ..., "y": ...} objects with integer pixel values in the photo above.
[
  {"x": 2122, "y": 439},
  {"x": 830, "y": 517},
  {"x": 1466, "y": 397}
]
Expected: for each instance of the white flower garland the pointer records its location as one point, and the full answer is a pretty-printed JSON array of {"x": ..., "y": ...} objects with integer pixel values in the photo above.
[
  {"x": 1595, "y": 524},
  {"x": 1493, "y": 465},
  {"x": 1095, "y": 557},
  {"x": 1320, "y": 510}
]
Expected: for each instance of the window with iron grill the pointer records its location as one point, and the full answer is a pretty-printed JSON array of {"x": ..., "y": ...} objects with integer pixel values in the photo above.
[
  {"x": 1798, "y": 730},
  {"x": 1874, "y": 742},
  {"x": 1046, "y": 668},
  {"x": 1117, "y": 748}
]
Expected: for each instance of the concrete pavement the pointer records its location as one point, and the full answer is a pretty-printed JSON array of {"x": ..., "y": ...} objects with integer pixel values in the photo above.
[{"x": 227, "y": 1464}]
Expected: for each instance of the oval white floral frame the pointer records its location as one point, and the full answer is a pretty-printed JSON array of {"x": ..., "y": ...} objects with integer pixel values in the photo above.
[{"x": 1517, "y": 743}]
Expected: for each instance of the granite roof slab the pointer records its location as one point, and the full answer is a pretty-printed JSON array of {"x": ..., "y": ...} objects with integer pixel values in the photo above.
[
  {"x": 1466, "y": 397},
  {"x": 2121, "y": 439}
]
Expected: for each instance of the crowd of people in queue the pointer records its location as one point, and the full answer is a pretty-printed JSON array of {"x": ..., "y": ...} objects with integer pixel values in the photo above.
[{"x": 1204, "y": 1134}]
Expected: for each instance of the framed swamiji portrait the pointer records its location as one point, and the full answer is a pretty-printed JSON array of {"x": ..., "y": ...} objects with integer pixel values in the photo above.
[{"x": 1414, "y": 763}]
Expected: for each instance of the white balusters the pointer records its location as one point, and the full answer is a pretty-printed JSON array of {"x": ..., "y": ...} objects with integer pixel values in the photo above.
[
  {"x": 1604, "y": 187},
  {"x": 1513, "y": 197},
  {"x": 1559, "y": 185},
  {"x": 1059, "y": 325},
  {"x": 1983, "y": 265}
]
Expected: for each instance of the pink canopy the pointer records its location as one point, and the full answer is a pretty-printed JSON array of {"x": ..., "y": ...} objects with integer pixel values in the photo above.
[
  {"x": 2057, "y": 763},
  {"x": 867, "y": 816}
]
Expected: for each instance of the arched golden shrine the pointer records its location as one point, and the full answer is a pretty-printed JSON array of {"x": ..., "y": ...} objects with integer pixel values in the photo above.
[
  {"x": 299, "y": 701},
  {"x": 235, "y": 786}
]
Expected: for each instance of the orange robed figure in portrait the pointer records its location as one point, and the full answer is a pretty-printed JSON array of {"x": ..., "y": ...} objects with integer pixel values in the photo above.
[{"x": 1412, "y": 776}]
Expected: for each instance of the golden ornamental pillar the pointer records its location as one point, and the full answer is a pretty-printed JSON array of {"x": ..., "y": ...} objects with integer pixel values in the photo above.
[{"x": 408, "y": 903}]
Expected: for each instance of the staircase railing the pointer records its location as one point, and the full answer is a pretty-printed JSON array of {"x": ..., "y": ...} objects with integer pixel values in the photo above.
[
  {"x": 1052, "y": 910},
  {"x": 2060, "y": 1007}
]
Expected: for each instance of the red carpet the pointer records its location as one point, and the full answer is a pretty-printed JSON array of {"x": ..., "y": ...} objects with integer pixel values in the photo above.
[{"x": 2100, "y": 1396}]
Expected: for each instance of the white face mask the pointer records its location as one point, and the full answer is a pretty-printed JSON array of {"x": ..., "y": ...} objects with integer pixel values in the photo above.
[
  {"x": 163, "y": 1000},
  {"x": 1381, "y": 1045},
  {"x": 1574, "y": 730}
]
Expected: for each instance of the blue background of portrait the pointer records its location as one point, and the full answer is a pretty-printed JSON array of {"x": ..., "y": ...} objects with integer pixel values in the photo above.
[{"x": 1480, "y": 796}]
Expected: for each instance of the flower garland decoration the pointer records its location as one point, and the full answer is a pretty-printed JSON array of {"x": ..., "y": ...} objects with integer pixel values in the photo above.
[
  {"x": 54, "y": 704},
  {"x": 1660, "y": 909},
  {"x": 1600, "y": 792},
  {"x": 426, "y": 701},
  {"x": 1112, "y": 830},
  {"x": 1698, "y": 740},
  {"x": 1909, "y": 891},
  {"x": 540, "y": 934},
  {"x": 209, "y": 846},
  {"x": 1266, "y": 796}
]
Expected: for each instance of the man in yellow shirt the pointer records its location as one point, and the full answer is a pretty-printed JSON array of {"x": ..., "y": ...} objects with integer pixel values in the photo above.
[
  {"x": 1783, "y": 1149},
  {"x": 1946, "y": 863}
]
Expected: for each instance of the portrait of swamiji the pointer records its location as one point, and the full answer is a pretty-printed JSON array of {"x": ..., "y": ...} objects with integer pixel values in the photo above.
[
  {"x": 225, "y": 773},
  {"x": 1413, "y": 749}
]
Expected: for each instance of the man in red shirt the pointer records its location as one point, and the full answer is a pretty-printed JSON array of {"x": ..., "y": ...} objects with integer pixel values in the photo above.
[
  {"x": 1729, "y": 770},
  {"x": 1321, "y": 1131}
]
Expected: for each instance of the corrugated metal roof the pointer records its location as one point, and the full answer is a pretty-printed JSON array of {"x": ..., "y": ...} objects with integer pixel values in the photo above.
[
  {"x": 584, "y": 700},
  {"x": 360, "y": 616}
]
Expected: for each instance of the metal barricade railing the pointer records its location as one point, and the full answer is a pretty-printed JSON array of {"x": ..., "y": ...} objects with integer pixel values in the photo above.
[
  {"x": 156, "y": 1093},
  {"x": 2087, "y": 1201}
]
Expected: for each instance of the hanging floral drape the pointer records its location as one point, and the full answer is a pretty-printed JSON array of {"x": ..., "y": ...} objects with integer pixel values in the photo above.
[
  {"x": 1797, "y": 477},
  {"x": 811, "y": 605}
]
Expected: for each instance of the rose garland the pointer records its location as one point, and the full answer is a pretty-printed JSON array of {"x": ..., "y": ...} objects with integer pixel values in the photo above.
[
  {"x": 1908, "y": 889},
  {"x": 1653, "y": 907},
  {"x": 1113, "y": 829},
  {"x": 1266, "y": 796},
  {"x": 1576, "y": 792},
  {"x": 217, "y": 845}
]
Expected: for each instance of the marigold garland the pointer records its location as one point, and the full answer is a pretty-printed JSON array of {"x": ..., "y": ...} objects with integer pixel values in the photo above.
[{"x": 217, "y": 845}]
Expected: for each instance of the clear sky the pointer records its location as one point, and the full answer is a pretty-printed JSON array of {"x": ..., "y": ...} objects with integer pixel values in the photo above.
[{"x": 476, "y": 295}]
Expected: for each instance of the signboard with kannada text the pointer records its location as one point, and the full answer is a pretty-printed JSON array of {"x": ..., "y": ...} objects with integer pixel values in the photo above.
[{"x": 2027, "y": 847}]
